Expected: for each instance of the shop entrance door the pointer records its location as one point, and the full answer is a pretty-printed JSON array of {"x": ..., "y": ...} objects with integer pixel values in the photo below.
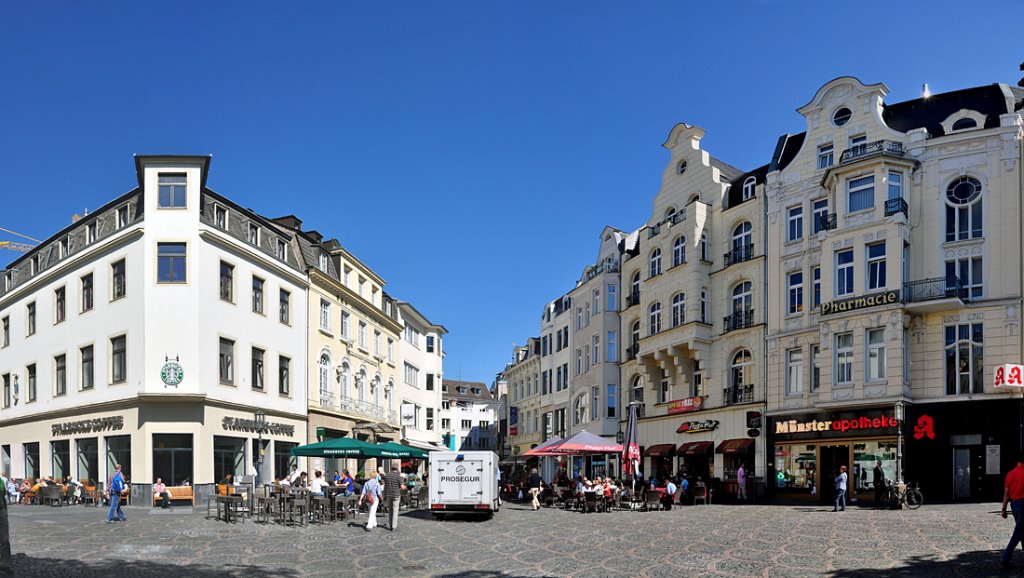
[
  {"x": 831, "y": 458},
  {"x": 961, "y": 473}
]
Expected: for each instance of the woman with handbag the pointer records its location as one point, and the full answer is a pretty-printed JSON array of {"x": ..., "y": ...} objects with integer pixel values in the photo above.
[{"x": 371, "y": 495}]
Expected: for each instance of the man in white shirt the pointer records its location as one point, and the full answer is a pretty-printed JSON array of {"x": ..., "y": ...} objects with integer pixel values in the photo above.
[
  {"x": 316, "y": 487},
  {"x": 294, "y": 475},
  {"x": 670, "y": 494}
]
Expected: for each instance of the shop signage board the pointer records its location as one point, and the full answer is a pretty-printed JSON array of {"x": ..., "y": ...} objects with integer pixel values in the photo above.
[
  {"x": 856, "y": 303},
  {"x": 853, "y": 423},
  {"x": 99, "y": 424},
  {"x": 408, "y": 414},
  {"x": 698, "y": 426},
  {"x": 172, "y": 373},
  {"x": 250, "y": 425},
  {"x": 685, "y": 405},
  {"x": 513, "y": 415},
  {"x": 1009, "y": 375},
  {"x": 992, "y": 460}
]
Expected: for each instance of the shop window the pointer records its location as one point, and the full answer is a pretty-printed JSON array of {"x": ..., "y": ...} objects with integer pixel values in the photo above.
[
  {"x": 119, "y": 451},
  {"x": 60, "y": 459},
  {"x": 88, "y": 460},
  {"x": 965, "y": 354},
  {"x": 32, "y": 460},
  {"x": 283, "y": 458},
  {"x": 228, "y": 458},
  {"x": 795, "y": 466},
  {"x": 172, "y": 458}
]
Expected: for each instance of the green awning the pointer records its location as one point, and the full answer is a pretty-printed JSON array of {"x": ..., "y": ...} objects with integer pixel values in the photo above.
[
  {"x": 340, "y": 448},
  {"x": 397, "y": 450}
]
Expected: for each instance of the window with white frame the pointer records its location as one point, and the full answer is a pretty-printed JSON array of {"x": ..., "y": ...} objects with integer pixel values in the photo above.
[
  {"x": 377, "y": 343},
  {"x": 969, "y": 271},
  {"x": 257, "y": 295},
  {"x": 612, "y": 354},
  {"x": 794, "y": 371},
  {"x": 595, "y": 301},
  {"x": 704, "y": 247},
  {"x": 895, "y": 185},
  {"x": 281, "y": 250},
  {"x": 654, "y": 319},
  {"x": 678, "y": 309},
  {"x": 858, "y": 140},
  {"x": 257, "y": 369},
  {"x": 742, "y": 240},
  {"x": 579, "y": 318},
  {"x": 748, "y": 188},
  {"x": 876, "y": 354},
  {"x": 860, "y": 194},
  {"x": 579, "y": 361},
  {"x": 963, "y": 209},
  {"x": 361, "y": 335},
  {"x": 664, "y": 391},
  {"x": 742, "y": 297},
  {"x": 815, "y": 367},
  {"x": 844, "y": 358},
  {"x": 411, "y": 335},
  {"x": 122, "y": 216},
  {"x": 703, "y": 305},
  {"x": 227, "y": 361},
  {"x": 876, "y": 265},
  {"x": 612, "y": 298},
  {"x": 742, "y": 370},
  {"x": 613, "y": 400},
  {"x": 795, "y": 223},
  {"x": 579, "y": 414},
  {"x": 324, "y": 373},
  {"x": 412, "y": 375},
  {"x": 346, "y": 324},
  {"x": 220, "y": 216},
  {"x": 254, "y": 234},
  {"x": 595, "y": 346},
  {"x": 325, "y": 315},
  {"x": 816, "y": 282},
  {"x": 322, "y": 262},
  {"x": 595, "y": 403},
  {"x": 391, "y": 350},
  {"x": 655, "y": 264},
  {"x": 171, "y": 191},
  {"x": 965, "y": 357},
  {"x": 284, "y": 314},
  {"x": 825, "y": 156},
  {"x": 796, "y": 292},
  {"x": 820, "y": 211},
  {"x": 844, "y": 272},
  {"x": 679, "y": 251}
]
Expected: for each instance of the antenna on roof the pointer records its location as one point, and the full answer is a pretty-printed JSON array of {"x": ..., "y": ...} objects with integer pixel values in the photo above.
[{"x": 925, "y": 92}]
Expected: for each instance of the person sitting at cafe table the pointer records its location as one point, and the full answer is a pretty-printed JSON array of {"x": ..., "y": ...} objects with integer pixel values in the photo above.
[
  {"x": 160, "y": 491},
  {"x": 74, "y": 490},
  {"x": 303, "y": 480},
  {"x": 228, "y": 480},
  {"x": 317, "y": 486},
  {"x": 347, "y": 483}
]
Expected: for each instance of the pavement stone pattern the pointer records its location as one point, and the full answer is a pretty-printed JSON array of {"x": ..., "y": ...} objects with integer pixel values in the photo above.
[{"x": 716, "y": 540}]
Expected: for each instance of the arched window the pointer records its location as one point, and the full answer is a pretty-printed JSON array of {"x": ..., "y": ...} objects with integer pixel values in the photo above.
[
  {"x": 742, "y": 298},
  {"x": 963, "y": 209},
  {"x": 635, "y": 287},
  {"x": 741, "y": 236},
  {"x": 343, "y": 379},
  {"x": 656, "y": 262},
  {"x": 678, "y": 309},
  {"x": 376, "y": 391},
  {"x": 636, "y": 392},
  {"x": 748, "y": 188},
  {"x": 669, "y": 213},
  {"x": 635, "y": 333},
  {"x": 964, "y": 124},
  {"x": 742, "y": 371},
  {"x": 681, "y": 167},
  {"x": 704, "y": 247},
  {"x": 579, "y": 410},
  {"x": 654, "y": 319},
  {"x": 389, "y": 393},
  {"x": 679, "y": 251},
  {"x": 964, "y": 350},
  {"x": 361, "y": 384},
  {"x": 325, "y": 376}
]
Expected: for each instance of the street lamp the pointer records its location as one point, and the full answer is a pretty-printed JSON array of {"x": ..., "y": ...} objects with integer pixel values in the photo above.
[
  {"x": 261, "y": 420},
  {"x": 899, "y": 415},
  {"x": 620, "y": 437}
]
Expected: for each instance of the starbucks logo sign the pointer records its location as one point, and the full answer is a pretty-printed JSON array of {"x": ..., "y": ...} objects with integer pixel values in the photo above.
[{"x": 172, "y": 373}]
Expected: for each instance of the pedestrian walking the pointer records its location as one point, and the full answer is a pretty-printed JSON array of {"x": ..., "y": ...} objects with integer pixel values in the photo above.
[
  {"x": 114, "y": 495},
  {"x": 393, "y": 495},
  {"x": 878, "y": 481},
  {"x": 840, "y": 490},
  {"x": 741, "y": 483},
  {"x": 535, "y": 488},
  {"x": 1013, "y": 495},
  {"x": 371, "y": 495}
]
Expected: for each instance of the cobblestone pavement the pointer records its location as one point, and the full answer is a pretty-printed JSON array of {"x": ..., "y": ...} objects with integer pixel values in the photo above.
[{"x": 716, "y": 540}]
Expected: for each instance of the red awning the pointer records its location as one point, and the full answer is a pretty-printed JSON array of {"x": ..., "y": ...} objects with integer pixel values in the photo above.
[
  {"x": 737, "y": 446},
  {"x": 694, "y": 448},
  {"x": 660, "y": 450}
]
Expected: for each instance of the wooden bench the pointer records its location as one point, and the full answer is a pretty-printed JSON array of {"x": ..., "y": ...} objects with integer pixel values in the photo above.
[{"x": 176, "y": 494}]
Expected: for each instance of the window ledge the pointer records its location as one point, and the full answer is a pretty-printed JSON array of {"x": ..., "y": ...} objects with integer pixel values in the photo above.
[
  {"x": 847, "y": 385},
  {"x": 860, "y": 212},
  {"x": 326, "y": 332}
]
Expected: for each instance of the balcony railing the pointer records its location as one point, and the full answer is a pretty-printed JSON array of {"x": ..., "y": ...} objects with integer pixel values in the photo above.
[
  {"x": 897, "y": 205},
  {"x": 739, "y": 254},
  {"x": 368, "y": 410},
  {"x": 678, "y": 217},
  {"x": 640, "y": 407},
  {"x": 632, "y": 299},
  {"x": 739, "y": 320},
  {"x": 653, "y": 231},
  {"x": 828, "y": 221},
  {"x": 326, "y": 399},
  {"x": 739, "y": 394},
  {"x": 632, "y": 351},
  {"x": 877, "y": 148},
  {"x": 929, "y": 289}
]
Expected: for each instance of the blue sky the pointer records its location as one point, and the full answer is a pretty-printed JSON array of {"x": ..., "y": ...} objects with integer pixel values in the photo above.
[{"x": 470, "y": 152}]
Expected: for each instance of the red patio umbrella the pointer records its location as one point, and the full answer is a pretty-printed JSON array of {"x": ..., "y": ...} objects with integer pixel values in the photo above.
[
  {"x": 542, "y": 449},
  {"x": 582, "y": 443}
]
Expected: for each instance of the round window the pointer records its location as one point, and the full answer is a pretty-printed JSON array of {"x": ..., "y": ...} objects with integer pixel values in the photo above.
[
  {"x": 963, "y": 190},
  {"x": 682, "y": 167},
  {"x": 841, "y": 116}
]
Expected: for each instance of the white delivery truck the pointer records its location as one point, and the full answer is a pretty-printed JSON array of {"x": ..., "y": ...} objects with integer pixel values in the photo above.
[{"x": 463, "y": 482}]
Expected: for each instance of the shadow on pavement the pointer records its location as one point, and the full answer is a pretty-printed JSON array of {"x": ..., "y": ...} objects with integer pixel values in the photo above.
[
  {"x": 23, "y": 565},
  {"x": 977, "y": 563},
  {"x": 476, "y": 574}
]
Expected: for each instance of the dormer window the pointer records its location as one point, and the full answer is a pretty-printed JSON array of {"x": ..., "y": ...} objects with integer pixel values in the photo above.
[
  {"x": 122, "y": 217},
  {"x": 171, "y": 191},
  {"x": 220, "y": 216},
  {"x": 65, "y": 247},
  {"x": 323, "y": 262},
  {"x": 281, "y": 250},
  {"x": 460, "y": 389},
  {"x": 964, "y": 124},
  {"x": 8, "y": 280},
  {"x": 841, "y": 116},
  {"x": 91, "y": 231},
  {"x": 748, "y": 188},
  {"x": 681, "y": 167},
  {"x": 254, "y": 234},
  {"x": 35, "y": 264},
  {"x": 476, "y": 391}
]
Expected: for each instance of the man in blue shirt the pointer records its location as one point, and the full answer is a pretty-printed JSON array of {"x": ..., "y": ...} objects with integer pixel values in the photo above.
[{"x": 117, "y": 485}]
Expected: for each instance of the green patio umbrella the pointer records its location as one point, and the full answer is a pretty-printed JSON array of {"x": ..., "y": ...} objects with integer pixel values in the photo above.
[
  {"x": 397, "y": 450},
  {"x": 340, "y": 447}
]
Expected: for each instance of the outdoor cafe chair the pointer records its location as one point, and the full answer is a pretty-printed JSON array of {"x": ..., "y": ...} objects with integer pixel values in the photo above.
[
  {"x": 568, "y": 498},
  {"x": 320, "y": 509},
  {"x": 652, "y": 500},
  {"x": 589, "y": 502},
  {"x": 418, "y": 497},
  {"x": 700, "y": 494}
]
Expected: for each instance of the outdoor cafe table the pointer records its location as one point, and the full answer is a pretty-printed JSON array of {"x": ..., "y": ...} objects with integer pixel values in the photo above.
[{"x": 232, "y": 505}]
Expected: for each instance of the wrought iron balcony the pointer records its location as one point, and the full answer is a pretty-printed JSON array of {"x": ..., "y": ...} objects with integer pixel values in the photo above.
[
  {"x": 739, "y": 254},
  {"x": 739, "y": 320},
  {"x": 632, "y": 351},
  {"x": 653, "y": 231},
  {"x": 827, "y": 222},
  {"x": 938, "y": 288},
  {"x": 871, "y": 149},
  {"x": 678, "y": 217},
  {"x": 737, "y": 394},
  {"x": 632, "y": 299},
  {"x": 897, "y": 205}
]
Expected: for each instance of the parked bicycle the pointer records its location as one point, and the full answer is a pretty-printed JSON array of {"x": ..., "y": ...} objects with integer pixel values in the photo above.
[{"x": 910, "y": 496}]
